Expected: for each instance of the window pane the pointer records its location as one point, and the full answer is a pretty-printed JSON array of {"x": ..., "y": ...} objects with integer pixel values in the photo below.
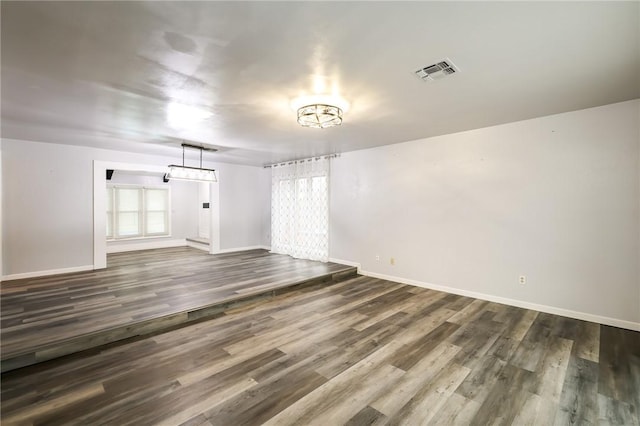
[
  {"x": 128, "y": 199},
  {"x": 319, "y": 184},
  {"x": 128, "y": 224},
  {"x": 285, "y": 189},
  {"x": 156, "y": 199},
  {"x": 302, "y": 190},
  {"x": 156, "y": 222}
]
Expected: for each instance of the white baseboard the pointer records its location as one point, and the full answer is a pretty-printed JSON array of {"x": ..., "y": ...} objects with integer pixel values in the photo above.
[
  {"x": 615, "y": 322},
  {"x": 146, "y": 245},
  {"x": 36, "y": 274},
  {"x": 345, "y": 262},
  {"x": 232, "y": 250}
]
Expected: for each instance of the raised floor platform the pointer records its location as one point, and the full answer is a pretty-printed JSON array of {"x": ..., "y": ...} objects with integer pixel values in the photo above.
[{"x": 140, "y": 293}]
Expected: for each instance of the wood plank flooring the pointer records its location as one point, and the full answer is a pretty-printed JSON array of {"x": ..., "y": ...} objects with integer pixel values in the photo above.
[
  {"x": 360, "y": 352},
  {"x": 138, "y": 293}
]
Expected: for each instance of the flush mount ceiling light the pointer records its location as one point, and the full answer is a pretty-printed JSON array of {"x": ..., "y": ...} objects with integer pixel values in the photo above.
[
  {"x": 191, "y": 173},
  {"x": 319, "y": 116},
  {"x": 319, "y": 111}
]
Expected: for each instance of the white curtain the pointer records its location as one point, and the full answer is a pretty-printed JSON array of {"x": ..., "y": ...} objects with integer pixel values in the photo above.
[{"x": 300, "y": 209}]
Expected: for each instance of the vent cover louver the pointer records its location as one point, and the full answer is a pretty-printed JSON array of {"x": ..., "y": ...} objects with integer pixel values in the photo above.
[{"x": 437, "y": 71}]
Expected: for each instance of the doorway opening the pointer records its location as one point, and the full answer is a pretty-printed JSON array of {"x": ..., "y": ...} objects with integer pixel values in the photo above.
[{"x": 208, "y": 230}]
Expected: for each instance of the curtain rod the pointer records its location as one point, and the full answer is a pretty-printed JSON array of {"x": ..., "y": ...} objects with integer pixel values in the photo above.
[{"x": 282, "y": 163}]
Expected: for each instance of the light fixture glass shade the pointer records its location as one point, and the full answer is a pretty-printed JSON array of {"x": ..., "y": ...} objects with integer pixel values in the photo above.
[
  {"x": 319, "y": 116},
  {"x": 191, "y": 173}
]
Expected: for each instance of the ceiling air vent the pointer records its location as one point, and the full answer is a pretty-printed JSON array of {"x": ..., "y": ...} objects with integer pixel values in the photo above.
[{"x": 437, "y": 71}]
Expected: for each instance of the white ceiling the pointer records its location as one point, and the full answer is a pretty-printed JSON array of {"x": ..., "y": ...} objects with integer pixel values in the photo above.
[{"x": 103, "y": 73}]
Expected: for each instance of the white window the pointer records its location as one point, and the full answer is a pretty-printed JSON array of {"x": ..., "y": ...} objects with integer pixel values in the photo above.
[
  {"x": 137, "y": 211},
  {"x": 128, "y": 209},
  {"x": 156, "y": 211}
]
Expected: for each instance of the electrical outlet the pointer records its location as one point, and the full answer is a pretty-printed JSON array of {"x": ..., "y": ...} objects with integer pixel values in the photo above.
[
  {"x": 377, "y": 258},
  {"x": 523, "y": 279},
  {"x": 392, "y": 261}
]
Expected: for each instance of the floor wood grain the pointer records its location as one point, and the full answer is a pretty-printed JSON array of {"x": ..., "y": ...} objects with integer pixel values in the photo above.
[
  {"x": 360, "y": 352},
  {"x": 139, "y": 293}
]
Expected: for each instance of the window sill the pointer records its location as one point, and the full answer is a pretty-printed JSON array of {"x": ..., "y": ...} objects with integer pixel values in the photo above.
[{"x": 150, "y": 237}]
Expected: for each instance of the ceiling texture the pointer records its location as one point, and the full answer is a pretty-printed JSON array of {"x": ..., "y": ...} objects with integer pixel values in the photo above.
[{"x": 144, "y": 76}]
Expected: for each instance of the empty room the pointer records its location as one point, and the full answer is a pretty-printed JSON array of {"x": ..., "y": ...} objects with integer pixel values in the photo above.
[{"x": 320, "y": 213}]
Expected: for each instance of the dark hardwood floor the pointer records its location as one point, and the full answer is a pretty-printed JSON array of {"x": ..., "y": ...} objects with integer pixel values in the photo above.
[
  {"x": 362, "y": 351},
  {"x": 139, "y": 292}
]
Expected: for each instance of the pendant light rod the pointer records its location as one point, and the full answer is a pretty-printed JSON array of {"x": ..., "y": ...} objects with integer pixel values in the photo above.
[
  {"x": 202, "y": 148},
  {"x": 199, "y": 148}
]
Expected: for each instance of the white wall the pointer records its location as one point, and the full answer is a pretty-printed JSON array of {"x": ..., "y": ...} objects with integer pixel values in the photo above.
[
  {"x": 185, "y": 209},
  {"x": 243, "y": 195},
  {"x": 265, "y": 202},
  {"x": 556, "y": 199},
  {"x": 1, "y": 225},
  {"x": 47, "y": 216},
  {"x": 47, "y": 207}
]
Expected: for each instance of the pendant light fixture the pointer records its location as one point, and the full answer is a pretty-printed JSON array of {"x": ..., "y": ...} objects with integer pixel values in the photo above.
[{"x": 198, "y": 174}]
